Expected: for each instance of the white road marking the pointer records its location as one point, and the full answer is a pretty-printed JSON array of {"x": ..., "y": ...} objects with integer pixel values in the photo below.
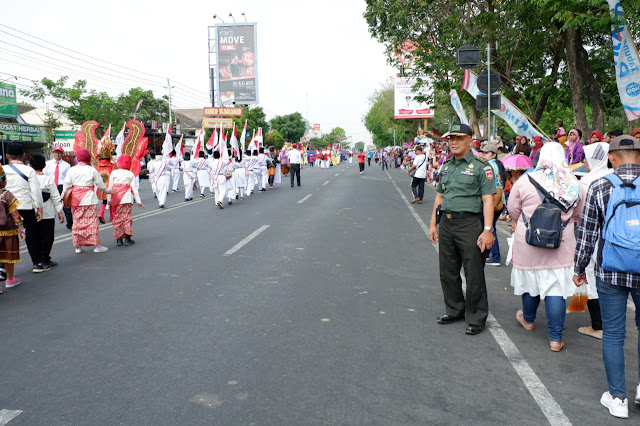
[
  {"x": 336, "y": 174},
  {"x": 325, "y": 183},
  {"x": 246, "y": 240},
  {"x": 305, "y": 199},
  {"x": 550, "y": 408},
  {"x": 7, "y": 415}
]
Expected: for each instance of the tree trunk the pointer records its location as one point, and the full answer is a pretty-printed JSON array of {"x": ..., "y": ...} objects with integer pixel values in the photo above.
[
  {"x": 595, "y": 92},
  {"x": 546, "y": 93},
  {"x": 573, "y": 45},
  {"x": 474, "y": 121}
]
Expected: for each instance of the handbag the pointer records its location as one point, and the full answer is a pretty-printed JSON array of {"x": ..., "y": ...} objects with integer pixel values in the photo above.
[
  {"x": 412, "y": 173},
  {"x": 498, "y": 200}
]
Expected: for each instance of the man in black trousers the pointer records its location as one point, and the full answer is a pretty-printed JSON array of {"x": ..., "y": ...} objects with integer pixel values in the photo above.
[{"x": 295, "y": 161}]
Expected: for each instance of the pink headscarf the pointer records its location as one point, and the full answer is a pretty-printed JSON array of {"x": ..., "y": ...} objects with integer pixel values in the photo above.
[
  {"x": 83, "y": 155},
  {"x": 124, "y": 162},
  {"x": 572, "y": 144}
]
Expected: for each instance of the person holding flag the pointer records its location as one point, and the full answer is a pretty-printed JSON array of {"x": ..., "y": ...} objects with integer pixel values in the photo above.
[
  {"x": 176, "y": 160},
  {"x": 188, "y": 176},
  {"x": 260, "y": 170}
]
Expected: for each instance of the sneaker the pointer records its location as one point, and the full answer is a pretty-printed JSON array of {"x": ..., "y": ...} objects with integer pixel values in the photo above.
[
  {"x": 78, "y": 250},
  {"x": 617, "y": 407},
  {"x": 39, "y": 267},
  {"x": 50, "y": 263},
  {"x": 162, "y": 206},
  {"x": 229, "y": 202},
  {"x": 220, "y": 206},
  {"x": 638, "y": 395},
  {"x": 100, "y": 249},
  {"x": 201, "y": 195},
  {"x": 13, "y": 282},
  {"x": 415, "y": 200}
]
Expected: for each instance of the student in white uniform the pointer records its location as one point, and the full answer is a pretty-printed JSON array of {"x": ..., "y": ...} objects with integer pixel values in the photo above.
[
  {"x": 260, "y": 170},
  {"x": 151, "y": 167},
  {"x": 251, "y": 176},
  {"x": 202, "y": 168},
  {"x": 240, "y": 178},
  {"x": 162, "y": 175},
  {"x": 174, "y": 161},
  {"x": 218, "y": 179},
  {"x": 188, "y": 176}
]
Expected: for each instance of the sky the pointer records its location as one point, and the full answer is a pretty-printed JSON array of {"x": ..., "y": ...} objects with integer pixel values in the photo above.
[{"x": 316, "y": 58}]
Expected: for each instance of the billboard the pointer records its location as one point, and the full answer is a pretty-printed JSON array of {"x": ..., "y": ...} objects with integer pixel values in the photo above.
[
  {"x": 8, "y": 104},
  {"x": 237, "y": 59},
  {"x": 405, "y": 106}
]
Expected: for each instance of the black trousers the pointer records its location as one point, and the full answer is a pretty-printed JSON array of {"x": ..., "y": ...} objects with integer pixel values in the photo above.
[
  {"x": 33, "y": 237},
  {"x": 594, "y": 312},
  {"x": 417, "y": 187},
  {"x": 67, "y": 211},
  {"x": 369, "y": 161},
  {"x": 295, "y": 171},
  {"x": 458, "y": 248},
  {"x": 361, "y": 165},
  {"x": 46, "y": 228}
]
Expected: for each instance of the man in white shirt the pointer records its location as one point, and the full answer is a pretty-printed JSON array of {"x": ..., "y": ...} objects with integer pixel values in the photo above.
[
  {"x": 295, "y": 161},
  {"x": 161, "y": 169},
  {"x": 57, "y": 169},
  {"x": 23, "y": 183},
  {"x": 417, "y": 184}
]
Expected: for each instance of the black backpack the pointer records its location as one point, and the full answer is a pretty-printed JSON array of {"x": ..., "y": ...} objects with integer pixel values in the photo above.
[{"x": 545, "y": 227}]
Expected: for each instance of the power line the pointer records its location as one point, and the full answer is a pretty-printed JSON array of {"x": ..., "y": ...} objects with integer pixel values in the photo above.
[{"x": 84, "y": 54}]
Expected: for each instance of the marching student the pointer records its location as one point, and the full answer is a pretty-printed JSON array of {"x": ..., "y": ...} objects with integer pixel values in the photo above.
[
  {"x": 240, "y": 178},
  {"x": 174, "y": 162},
  {"x": 218, "y": 179},
  {"x": 260, "y": 170},
  {"x": 202, "y": 168},
  {"x": 161, "y": 169},
  {"x": 188, "y": 176},
  {"x": 123, "y": 194},
  {"x": 251, "y": 176}
]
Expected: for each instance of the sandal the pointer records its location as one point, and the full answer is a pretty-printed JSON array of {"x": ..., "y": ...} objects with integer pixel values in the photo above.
[
  {"x": 556, "y": 346},
  {"x": 523, "y": 323},
  {"x": 589, "y": 331}
]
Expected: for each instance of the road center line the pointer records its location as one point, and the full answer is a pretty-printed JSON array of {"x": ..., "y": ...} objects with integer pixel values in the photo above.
[
  {"x": 305, "y": 199},
  {"x": 246, "y": 240},
  {"x": 550, "y": 408},
  {"x": 336, "y": 174},
  {"x": 325, "y": 183},
  {"x": 7, "y": 415}
]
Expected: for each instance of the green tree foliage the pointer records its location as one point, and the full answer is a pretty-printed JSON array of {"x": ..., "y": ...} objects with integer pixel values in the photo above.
[
  {"x": 275, "y": 139},
  {"x": 359, "y": 146},
  {"x": 81, "y": 105},
  {"x": 317, "y": 143},
  {"x": 255, "y": 118},
  {"x": 292, "y": 127},
  {"x": 337, "y": 135}
]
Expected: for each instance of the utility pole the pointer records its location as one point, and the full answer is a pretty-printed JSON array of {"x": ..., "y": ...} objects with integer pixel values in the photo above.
[
  {"x": 489, "y": 92},
  {"x": 169, "y": 87}
]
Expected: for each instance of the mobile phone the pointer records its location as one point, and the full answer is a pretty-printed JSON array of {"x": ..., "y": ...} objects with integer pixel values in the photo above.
[{"x": 479, "y": 244}]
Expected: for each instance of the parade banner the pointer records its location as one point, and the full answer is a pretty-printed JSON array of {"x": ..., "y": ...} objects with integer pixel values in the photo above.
[
  {"x": 236, "y": 53},
  {"x": 223, "y": 111},
  {"x": 626, "y": 63},
  {"x": 457, "y": 106},
  {"x": 510, "y": 113},
  {"x": 405, "y": 106},
  {"x": 8, "y": 103},
  {"x": 212, "y": 123}
]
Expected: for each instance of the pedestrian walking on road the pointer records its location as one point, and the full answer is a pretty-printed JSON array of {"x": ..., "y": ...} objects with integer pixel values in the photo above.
[
  {"x": 465, "y": 200},
  {"x": 418, "y": 171},
  {"x": 617, "y": 274},
  {"x": 122, "y": 183},
  {"x": 541, "y": 273},
  {"x": 295, "y": 162},
  {"x": 361, "y": 157}
]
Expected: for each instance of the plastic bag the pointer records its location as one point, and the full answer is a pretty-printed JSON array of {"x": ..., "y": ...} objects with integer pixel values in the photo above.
[
  {"x": 579, "y": 299},
  {"x": 509, "y": 251}
]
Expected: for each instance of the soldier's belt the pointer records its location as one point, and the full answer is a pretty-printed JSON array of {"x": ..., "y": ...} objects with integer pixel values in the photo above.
[{"x": 460, "y": 215}]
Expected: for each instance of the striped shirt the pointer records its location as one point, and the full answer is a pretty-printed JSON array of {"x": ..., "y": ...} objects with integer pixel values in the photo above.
[{"x": 591, "y": 226}]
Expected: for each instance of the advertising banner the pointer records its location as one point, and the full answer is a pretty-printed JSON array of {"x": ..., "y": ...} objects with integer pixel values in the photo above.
[
  {"x": 8, "y": 104},
  {"x": 457, "y": 106},
  {"x": 405, "y": 106},
  {"x": 626, "y": 63},
  {"x": 237, "y": 58},
  {"x": 65, "y": 139},
  {"x": 509, "y": 112},
  {"x": 213, "y": 123},
  {"x": 22, "y": 132},
  {"x": 223, "y": 111}
]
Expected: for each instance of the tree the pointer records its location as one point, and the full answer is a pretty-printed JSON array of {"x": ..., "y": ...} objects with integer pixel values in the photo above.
[
  {"x": 359, "y": 146},
  {"x": 81, "y": 105},
  {"x": 292, "y": 127},
  {"x": 275, "y": 139},
  {"x": 255, "y": 118},
  {"x": 337, "y": 135},
  {"x": 317, "y": 143}
]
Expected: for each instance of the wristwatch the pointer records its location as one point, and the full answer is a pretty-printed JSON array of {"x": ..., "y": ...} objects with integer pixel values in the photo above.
[{"x": 488, "y": 228}]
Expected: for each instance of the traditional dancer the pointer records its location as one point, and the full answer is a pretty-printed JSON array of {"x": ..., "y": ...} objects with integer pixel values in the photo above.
[
  {"x": 51, "y": 207},
  {"x": 105, "y": 167},
  {"x": 123, "y": 194},
  {"x": 271, "y": 169},
  {"x": 79, "y": 185},
  {"x": 188, "y": 176},
  {"x": 11, "y": 233}
]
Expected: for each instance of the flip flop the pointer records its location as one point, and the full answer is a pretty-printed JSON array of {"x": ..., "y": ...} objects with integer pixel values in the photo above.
[
  {"x": 595, "y": 333},
  {"x": 523, "y": 323}
]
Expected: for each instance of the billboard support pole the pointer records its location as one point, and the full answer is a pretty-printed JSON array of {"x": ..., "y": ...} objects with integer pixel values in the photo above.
[{"x": 212, "y": 65}]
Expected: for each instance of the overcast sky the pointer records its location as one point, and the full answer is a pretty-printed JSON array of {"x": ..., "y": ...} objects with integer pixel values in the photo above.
[{"x": 320, "y": 51}]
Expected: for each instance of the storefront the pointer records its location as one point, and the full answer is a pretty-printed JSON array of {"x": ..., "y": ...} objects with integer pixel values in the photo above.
[{"x": 34, "y": 138}]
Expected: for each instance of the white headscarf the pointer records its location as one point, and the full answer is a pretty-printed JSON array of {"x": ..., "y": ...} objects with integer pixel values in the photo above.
[
  {"x": 552, "y": 173},
  {"x": 597, "y": 158}
]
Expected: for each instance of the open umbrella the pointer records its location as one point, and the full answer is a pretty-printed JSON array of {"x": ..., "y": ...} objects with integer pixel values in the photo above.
[{"x": 516, "y": 162}]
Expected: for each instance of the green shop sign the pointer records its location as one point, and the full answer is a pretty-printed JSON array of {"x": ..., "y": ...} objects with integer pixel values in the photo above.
[
  {"x": 65, "y": 139},
  {"x": 8, "y": 104},
  {"x": 22, "y": 132}
]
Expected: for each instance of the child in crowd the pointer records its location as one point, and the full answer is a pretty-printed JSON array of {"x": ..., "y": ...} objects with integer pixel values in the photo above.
[{"x": 11, "y": 231}]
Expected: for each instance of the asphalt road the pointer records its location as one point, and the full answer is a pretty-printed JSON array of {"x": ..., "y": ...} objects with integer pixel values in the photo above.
[{"x": 310, "y": 305}]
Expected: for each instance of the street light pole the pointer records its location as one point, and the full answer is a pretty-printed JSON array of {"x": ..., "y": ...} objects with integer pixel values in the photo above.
[{"x": 489, "y": 92}]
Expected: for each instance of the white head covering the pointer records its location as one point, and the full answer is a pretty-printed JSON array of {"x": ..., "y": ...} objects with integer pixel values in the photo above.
[
  {"x": 552, "y": 173},
  {"x": 597, "y": 158}
]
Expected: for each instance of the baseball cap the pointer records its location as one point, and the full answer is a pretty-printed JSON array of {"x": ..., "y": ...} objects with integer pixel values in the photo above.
[
  {"x": 459, "y": 130},
  {"x": 58, "y": 148},
  {"x": 624, "y": 142},
  {"x": 490, "y": 147}
]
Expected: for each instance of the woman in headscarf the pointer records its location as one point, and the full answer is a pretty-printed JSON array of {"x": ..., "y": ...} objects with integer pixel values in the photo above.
[
  {"x": 537, "y": 145},
  {"x": 542, "y": 273},
  {"x": 122, "y": 183},
  {"x": 523, "y": 147},
  {"x": 575, "y": 149},
  {"x": 597, "y": 167},
  {"x": 595, "y": 137},
  {"x": 78, "y": 185}
]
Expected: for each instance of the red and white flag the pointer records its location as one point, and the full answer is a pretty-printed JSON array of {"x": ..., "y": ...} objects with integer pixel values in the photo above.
[
  {"x": 212, "y": 143},
  {"x": 243, "y": 137},
  {"x": 180, "y": 149},
  {"x": 259, "y": 138},
  {"x": 198, "y": 145},
  {"x": 120, "y": 141},
  {"x": 234, "y": 141},
  {"x": 224, "y": 150},
  {"x": 167, "y": 145}
]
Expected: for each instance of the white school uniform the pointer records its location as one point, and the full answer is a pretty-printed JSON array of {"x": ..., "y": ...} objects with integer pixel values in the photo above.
[
  {"x": 175, "y": 172},
  {"x": 188, "y": 177},
  {"x": 202, "y": 168}
]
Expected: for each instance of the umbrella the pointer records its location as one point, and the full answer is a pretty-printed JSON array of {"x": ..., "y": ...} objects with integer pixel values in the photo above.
[{"x": 516, "y": 162}]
